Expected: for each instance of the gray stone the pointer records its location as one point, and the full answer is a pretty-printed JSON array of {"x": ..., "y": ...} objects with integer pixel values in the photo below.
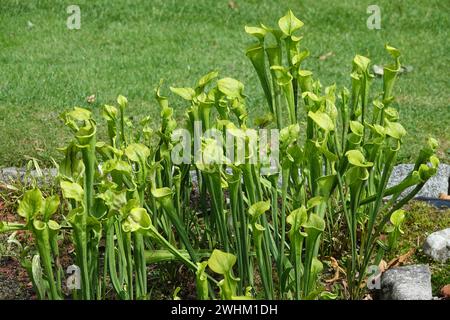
[
  {"x": 436, "y": 185},
  {"x": 8, "y": 173},
  {"x": 437, "y": 245},
  {"x": 12, "y": 174},
  {"x": 406, "y": 283}
]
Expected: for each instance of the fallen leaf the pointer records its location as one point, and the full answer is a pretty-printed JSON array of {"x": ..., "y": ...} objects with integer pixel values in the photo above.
[
  {"x": 337, "y": 269},
  {"x": 326, "y": 56},
  {"x": 401, "y": 259},
  {"x": 445, "y": 291},
  {"x": 382, "y": 266},
  {"x": 8, "y": 187},
  {"x": 345, "y": 286}
]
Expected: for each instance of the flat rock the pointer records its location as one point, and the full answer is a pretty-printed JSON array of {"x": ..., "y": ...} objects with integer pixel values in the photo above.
[
  {"x": 406, "y": 283},
  {"x": 437, "y": 245},
  {"x": 436, "y": 185},
  {"x": 11, "y": 174}
]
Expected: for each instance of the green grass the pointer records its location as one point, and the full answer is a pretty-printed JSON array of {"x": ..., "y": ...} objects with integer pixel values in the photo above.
[{"x": 125, "y": 47}]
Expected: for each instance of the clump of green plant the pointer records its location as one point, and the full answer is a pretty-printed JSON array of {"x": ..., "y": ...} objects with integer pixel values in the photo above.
[
  {"x": 351, "y": 145},
  {"x": 136, "y": 191}
]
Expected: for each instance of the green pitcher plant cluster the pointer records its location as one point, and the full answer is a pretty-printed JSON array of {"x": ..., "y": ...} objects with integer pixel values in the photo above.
[{"x": 129, "y": 202}]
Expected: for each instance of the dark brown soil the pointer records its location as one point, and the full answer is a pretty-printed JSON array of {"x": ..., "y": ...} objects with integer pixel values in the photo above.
[{"x": 14, "y": 281}]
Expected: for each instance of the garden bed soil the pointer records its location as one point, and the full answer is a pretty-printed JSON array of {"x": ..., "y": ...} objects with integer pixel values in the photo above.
[{"x": 14, "y": 281}]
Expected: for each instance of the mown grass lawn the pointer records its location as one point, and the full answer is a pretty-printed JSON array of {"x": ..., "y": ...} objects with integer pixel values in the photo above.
[{"x": 125, "y": 47}]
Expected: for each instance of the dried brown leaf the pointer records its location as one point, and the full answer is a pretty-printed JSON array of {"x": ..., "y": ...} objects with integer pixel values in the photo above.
[
  {"x": 232, "y": 4},
  {"x": 401, "y": 259},
  {"x": 337, "y": 270}
]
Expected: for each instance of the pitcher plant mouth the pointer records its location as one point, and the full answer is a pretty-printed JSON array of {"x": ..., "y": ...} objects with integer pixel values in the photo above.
[{"x": 87, "y": 133}]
